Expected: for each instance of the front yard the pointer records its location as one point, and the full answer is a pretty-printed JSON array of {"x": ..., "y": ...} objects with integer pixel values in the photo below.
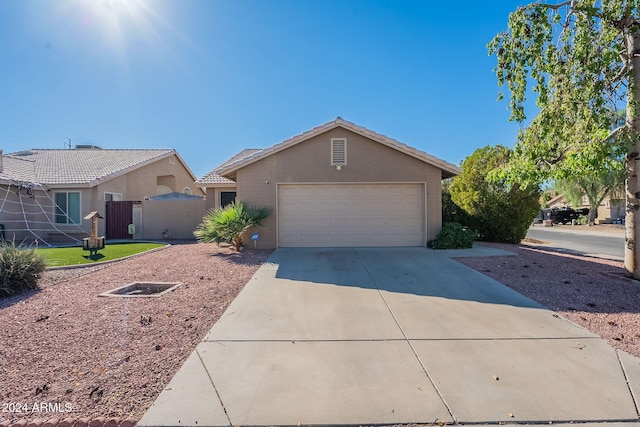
[
  {"x": 98, "y": 356},
  {"x": 66, "y": 347}
]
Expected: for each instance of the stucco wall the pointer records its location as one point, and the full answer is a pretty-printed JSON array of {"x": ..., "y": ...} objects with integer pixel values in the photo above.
[
  {"x": 310, "y": 162},
  {"x": 178, "y": 217},
  {"x": 30, "y": 217},
  {"x": 213, "y": 195}
]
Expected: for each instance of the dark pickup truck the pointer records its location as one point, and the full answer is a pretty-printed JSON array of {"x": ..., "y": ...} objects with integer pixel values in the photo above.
[{"x": 561, "y": 215}]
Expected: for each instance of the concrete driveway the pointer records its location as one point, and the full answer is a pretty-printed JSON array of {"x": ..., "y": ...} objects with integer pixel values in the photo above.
[{"x": 359, "y": 336}]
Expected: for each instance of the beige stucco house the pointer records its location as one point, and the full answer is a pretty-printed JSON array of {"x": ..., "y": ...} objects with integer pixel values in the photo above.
[
  {"x": 45, "y": 194},
  {"x": 338, "y": 184}
]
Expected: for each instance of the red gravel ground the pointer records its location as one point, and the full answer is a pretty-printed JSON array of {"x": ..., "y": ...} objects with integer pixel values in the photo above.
[
  {"x": 591, "y": 292},
  {"x": 66, "y": 352}
]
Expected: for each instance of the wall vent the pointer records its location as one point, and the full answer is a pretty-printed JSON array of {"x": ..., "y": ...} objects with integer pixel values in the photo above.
[{"x": 338, "y": 151}]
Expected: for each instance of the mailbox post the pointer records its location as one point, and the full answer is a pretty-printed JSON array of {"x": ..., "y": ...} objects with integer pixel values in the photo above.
[{"x": 93, "y": 243}]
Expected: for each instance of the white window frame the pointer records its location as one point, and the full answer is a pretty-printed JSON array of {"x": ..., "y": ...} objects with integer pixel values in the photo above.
[
  {"x": 334, "y": 142},
  {"x": 118, "y": 196},
  {"x": 66, "y": 213}
]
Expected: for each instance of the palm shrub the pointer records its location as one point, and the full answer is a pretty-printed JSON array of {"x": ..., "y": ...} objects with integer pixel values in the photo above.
[
  {"x": 20, "y": 268},
  {"x": 228, "y": 224}
]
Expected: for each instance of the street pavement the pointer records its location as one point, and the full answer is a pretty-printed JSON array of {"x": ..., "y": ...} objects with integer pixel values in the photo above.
[
  {"x": 364, "y": 336},
  {"x": 603, "y": 244}
]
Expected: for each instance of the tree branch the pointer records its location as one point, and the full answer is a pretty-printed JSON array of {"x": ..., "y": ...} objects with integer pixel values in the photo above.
[
  {"x": 620, "y": 73},
  {"x": 613, "y": 133},
  {"x": 556, "y": 6}
]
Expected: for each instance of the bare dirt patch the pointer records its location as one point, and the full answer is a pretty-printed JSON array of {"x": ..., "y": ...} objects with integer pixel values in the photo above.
[
  {"x": 591, "y": 292},
  {"x": 111, "y": 357}
]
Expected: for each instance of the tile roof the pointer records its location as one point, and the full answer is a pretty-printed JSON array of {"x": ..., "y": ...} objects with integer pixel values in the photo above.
[
  {"x": 75, "y": 167},
  {"x": 448, "y": 169},
  {"x": 213, "y": 177}
]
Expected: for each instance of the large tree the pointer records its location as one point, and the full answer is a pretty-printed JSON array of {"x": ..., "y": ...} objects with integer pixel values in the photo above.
[
  {"x": 582, "y": 61},
  {"x": 594, "y": 188}
]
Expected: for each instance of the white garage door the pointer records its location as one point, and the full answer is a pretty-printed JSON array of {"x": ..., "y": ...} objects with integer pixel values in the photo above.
[{"x": 350, "y": 215}]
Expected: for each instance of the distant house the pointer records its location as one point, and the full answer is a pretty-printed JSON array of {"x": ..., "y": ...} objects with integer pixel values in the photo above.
[
  {"x": 609, "y": 211},
  {"x": 338, "y": 184},
  {"x": 45, "y": 194}
]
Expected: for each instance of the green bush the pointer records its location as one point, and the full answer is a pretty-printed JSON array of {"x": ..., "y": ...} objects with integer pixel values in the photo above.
[
  {"x": 20, "y": 268},
  {"x": 496, "y": 210},
  {"x": 582, "y": 220},
  {"x": 453, "y": 236}
]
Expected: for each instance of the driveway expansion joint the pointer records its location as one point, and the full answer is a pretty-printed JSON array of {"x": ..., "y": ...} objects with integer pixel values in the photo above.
[
  {"x": 214, "y": 386},
  {"x": 413, "y": 350}
]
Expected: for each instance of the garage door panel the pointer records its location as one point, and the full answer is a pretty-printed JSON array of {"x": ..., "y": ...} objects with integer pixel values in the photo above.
[{"x": 351, "y": 215}]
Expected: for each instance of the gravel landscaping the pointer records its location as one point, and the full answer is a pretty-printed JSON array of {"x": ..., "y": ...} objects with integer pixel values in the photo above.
[
  {"x": 82, "y": 355},
  {"x": 591, "y": 292}
]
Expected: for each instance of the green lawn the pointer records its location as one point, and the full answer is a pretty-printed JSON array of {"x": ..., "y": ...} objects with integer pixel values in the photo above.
[{"x": 57, "y": 257}]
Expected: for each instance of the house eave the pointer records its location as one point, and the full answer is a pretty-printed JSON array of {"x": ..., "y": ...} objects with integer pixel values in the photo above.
[{"x": 449, "y": 170}]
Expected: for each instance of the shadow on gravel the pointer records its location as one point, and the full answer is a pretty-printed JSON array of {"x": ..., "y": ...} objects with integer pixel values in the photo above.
[
  {"x": 16, "y": 299},
  {"x": 250, "y": 257},
  {"x": 562, "y": 281}
]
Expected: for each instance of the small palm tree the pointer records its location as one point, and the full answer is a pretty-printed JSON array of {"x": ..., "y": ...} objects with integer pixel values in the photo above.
[{"x": 230, "y": 223}]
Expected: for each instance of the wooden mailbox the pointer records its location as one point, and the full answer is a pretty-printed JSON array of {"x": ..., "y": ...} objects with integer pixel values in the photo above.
[{"x": 93, "y": 243}]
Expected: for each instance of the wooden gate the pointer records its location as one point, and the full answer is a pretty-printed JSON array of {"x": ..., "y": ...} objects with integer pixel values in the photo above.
[{"x": 118, "y": 217}]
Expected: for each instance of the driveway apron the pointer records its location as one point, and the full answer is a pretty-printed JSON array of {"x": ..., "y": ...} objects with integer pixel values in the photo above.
[{"x": 358, "y": 336}]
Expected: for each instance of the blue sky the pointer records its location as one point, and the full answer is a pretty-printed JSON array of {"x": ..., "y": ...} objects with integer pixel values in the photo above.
[{"x": 212, "y": 77}]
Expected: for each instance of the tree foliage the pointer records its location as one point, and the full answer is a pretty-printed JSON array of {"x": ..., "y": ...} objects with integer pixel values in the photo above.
[
  {"x": 450, "y": 211},
  {"x": 580, "y": 60},
  {"x": 572, "y": 55},
  {"x": 497, "y": 210},
  {"x": 594, "y": 188},
  {"x": 230, "y": 223}
]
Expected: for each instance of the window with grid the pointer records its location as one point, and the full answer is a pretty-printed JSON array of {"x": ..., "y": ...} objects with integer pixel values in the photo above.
[{"x": 67, "y": 209}]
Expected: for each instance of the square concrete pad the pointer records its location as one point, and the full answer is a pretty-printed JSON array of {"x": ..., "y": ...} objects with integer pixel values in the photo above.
[
  {"x": 404, "y": 259},
  {"x": 188, "y": 400},
  {"x": 477, "y": 308},
  {"x": 326, "y": 305},
  {"x": 463, "y": 303},
  {"x": 529, "y": 380},
  {"x": 335, "y": 259},
  {"x": 283, "y": 383}
]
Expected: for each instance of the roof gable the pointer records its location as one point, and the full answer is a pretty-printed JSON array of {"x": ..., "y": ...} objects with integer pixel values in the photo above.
[
  {"x": 214, "y": 177},
  {"x": 232, "y": 165},
  {"x": 81, "y": 167}
]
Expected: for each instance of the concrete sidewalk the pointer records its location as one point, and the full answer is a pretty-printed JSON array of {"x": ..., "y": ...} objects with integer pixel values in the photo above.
[{"x": 361, "y": 336}]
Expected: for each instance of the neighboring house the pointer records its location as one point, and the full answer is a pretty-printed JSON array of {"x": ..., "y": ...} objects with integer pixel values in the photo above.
[
  {"x": 609, "y": 211},
  {"x": 338, "y": 184},
  {"x": 45, "y": 194}
]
